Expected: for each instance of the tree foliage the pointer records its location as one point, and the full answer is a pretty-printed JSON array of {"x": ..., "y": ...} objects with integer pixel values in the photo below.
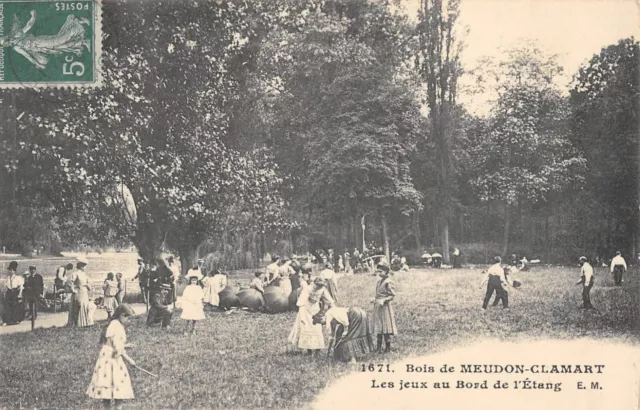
[{"x": 605, "y": 99}]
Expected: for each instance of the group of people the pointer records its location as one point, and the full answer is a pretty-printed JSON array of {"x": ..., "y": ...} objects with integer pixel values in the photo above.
[
  {"x": 498, "y": 282},
  {"x": 351, "y": 335},
  {"x": 22, "y": 294},
  {"x": 155, "y": 272},
  {"x": 202, "y": 291}
]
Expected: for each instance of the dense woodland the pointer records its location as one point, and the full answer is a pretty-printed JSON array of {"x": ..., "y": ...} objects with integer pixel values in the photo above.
[{"x": 247, "y": 127}]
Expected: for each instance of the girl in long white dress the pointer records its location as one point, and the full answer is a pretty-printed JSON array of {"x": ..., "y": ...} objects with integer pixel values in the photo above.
[
  {"x": 110, "y": 379},
  {"x": 305, "y": 334},
  {"x": 191, "y": 304}
]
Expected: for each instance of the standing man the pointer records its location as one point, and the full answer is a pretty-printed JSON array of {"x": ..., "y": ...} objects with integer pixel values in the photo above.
[
  {"x": 456, "y": 258},
  {"x": 618, "y": 268},
  {"x": 496, "y": 282},
  {"x": 586, "y": 280},
  {"x": 143, "y": 278},
  {"x": 33, "y": 291}
]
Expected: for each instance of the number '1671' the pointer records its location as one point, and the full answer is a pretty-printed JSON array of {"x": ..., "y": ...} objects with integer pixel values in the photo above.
[{"x": 375, "y": 368}]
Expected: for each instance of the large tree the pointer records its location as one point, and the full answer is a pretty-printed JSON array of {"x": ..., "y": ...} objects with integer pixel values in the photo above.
[
  {"x": 524, "y": 154},
  {"x": 606, "y": 117},
  {"x": 156, "y": 129},
  {"x": 438, "y": 62},
  {"x": 308, "y": 79}
]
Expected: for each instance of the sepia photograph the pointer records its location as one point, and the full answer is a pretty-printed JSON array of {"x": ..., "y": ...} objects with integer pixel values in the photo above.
[{"x": 320, "y": 204}]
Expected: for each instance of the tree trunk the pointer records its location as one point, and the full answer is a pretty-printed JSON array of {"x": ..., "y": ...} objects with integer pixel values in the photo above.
[
  {"x": 385, "y": 238},
  {"x": 416, "y": 230},
  {"x": 507, "y": 226},
  {"x": 445, "y": 241},
  {"x": 188, "y": 259}
]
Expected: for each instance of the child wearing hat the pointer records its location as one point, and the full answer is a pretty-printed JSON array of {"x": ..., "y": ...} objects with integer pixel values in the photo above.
[
  {"x": 192, "y": 303},
  {"x": 384, "y": 321},
  {"x": 110, "y": 379}
]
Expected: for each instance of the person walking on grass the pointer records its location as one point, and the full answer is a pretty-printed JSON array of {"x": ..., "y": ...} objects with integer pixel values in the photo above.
[
  {"x": 110, "y": 379},
  {"x": 586, "y": 280},
  {"x": 191, "y": 303},
  {"x": 618, "y": 268},
  {"x": 384, "y": 321},
  {"x": 496, "y": 282}
]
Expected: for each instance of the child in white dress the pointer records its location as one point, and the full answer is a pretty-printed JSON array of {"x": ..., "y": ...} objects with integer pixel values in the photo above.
[
  {"x": 191, "y": 304},
  {"x": 110, "y": 378}
]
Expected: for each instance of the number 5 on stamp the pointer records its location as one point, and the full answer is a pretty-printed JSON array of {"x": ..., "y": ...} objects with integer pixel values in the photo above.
[{"x": 50, "y": 43}]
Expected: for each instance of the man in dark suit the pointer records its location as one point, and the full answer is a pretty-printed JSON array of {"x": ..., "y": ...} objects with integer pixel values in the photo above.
[{"x": 33, "y": 290}]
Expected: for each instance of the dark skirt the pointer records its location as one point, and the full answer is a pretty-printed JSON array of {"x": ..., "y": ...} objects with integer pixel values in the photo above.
[
  {"x": 295, "y": 282},
  {"x": 13, "y": 309},
  {"x": 358, "y": 341}
]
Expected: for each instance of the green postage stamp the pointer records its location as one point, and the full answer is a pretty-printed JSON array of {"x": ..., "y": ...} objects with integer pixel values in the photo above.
[{"x": 48, "y": 43}]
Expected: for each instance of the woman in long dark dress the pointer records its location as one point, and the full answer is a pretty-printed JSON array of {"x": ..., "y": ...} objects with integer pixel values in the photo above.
[
  {"x": 350, "y": 332},
  {"x": 13, "y": 312}
]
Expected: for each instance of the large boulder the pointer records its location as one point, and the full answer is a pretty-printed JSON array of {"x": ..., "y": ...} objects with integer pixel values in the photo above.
[
  {"x": 277, "y": 301},
  {"x": 228, "y": 298},
  {"x": 251, "y": 299}
]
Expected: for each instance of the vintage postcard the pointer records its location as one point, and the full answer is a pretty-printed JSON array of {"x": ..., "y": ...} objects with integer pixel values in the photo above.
[{"x": 320, "y": 204}]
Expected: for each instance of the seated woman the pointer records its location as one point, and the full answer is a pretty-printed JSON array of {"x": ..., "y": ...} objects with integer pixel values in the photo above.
[{"x": 350, "y": 332}]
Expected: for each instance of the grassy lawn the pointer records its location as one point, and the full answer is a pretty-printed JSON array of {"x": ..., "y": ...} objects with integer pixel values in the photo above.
[{"x": 243, "y": 360}]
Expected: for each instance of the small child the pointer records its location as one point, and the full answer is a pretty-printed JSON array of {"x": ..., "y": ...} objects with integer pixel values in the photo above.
[
  {"x": 110, "y": 288},
  {"x": 110, "y": 378},
  {"x": 191, "y": 304},
  {"x": 384, "y": 320}
]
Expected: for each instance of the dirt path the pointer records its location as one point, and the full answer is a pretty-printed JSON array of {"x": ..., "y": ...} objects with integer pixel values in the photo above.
[{"x": 48, "y": 320}]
